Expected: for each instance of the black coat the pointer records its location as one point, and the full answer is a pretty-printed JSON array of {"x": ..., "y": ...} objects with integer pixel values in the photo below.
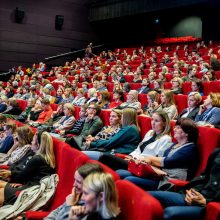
[
  {"x": 208, "y": 183},
  {"x": 191, "y": 115}
]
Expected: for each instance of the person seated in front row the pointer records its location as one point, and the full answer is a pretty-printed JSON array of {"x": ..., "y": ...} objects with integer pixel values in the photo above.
[
  {"x": 124, "y": 141},
  {"x": 191, "y": 201},
  {"x": 193, "y": 101},
  {"x": 39, "y": 166},
  {"x": 99, "y": 188},
  {"x": 155, "y": 142},
  {"x": 62, "y": 212},
  {"x": 179, "y": 161},
  {"x": 132, "y": 101},
  {"x": 209, "y": 112}
]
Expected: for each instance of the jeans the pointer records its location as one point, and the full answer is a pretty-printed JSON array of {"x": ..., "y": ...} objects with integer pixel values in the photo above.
[
  {"x": 94, "y": 155},
  {"x": 146, "y": 184},
  {"x": 176, "y": 207}
]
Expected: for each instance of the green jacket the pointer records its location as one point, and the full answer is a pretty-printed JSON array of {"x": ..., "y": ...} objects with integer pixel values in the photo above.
[{"x": 125, "y": 141}]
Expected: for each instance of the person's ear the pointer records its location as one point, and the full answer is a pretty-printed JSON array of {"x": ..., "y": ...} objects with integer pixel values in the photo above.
[{"x": 101, "y": 196}]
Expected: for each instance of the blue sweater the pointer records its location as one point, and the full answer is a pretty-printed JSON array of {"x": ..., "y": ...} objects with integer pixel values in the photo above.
[
  {"x": 7, "y": 144},
  {"x": 125, "y": 141}
]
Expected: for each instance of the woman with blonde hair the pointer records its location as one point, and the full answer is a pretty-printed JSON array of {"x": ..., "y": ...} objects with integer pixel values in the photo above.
[
  {"x": 168, "y": 104},
  {"x": 40, "y": 165},
  {"x": 124, "y": 141},
  {"x": 177, "y": 85},
  {"x": 92, "y": 96},
  {"x": 22, "y": 144},
  {"x": 100, "y": 197},
  {"x": 209, "y": 112}
]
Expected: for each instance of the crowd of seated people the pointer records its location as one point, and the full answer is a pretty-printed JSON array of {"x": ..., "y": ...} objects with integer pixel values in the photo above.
[{"x": 157, "y": 74}]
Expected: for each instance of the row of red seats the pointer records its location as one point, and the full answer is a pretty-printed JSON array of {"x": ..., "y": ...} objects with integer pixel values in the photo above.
[
  {"x": 209, "y": 139},
  {"x": 132, "y": 206}
]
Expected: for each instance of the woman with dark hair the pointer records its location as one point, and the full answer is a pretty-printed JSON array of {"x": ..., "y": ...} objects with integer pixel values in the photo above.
[
  {"x": 190, "y": 203},
  {"x": 179, "y": 161},
  {"x": 197, "y": 86},
  {"x": 118, "y": 99}
]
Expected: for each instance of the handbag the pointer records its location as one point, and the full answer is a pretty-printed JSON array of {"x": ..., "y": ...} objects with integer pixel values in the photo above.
[
  {"x": 75, "y": 142},
  {"x": 145, "y": 170}
]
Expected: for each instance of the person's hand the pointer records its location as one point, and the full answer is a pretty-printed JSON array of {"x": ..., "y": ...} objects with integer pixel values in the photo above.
[
  {"x": 76, "y": 212},
  {"x": 5, "y": 173},
  {"x": 88, "y": 143},
  {"x": 194, "y": 198},
  {"x": 72, "y": 198},
  {"x": 89, "y": 138},
  {"x": 15, "y": 185},
  {"x": 202, "y": 108},
  {"x": 62, "y": 132},
  {"x": 128, "y": 157}
]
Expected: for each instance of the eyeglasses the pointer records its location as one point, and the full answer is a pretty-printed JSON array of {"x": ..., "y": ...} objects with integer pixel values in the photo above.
[{"x": 90, "y": 107}]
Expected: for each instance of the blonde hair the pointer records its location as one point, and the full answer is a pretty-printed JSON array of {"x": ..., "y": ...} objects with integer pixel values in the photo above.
[
  {"x": 129, "y": 117},
  {"x": 169, "y": 95},
  {"x": 104, "y": 183},
  {"x": 153, "y": 95},
  {"x": 46, "y": 149},
  {"x": 92, "y": 92},
  {"x": 70, "y": 107},
  {"x": 196, "y": 95},
  {"x": 25, "y": 135},
  {"x": 215, "y": 97}
]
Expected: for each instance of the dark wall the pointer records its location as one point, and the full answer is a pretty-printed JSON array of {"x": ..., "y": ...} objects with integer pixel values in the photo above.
[{"x": 36, "y": 37}]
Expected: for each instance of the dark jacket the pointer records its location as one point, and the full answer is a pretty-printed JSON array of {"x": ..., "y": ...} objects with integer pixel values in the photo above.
[
  {"x": 191, "y": 115},
  {"x": 144, "y": 90},
  {"x": 208, "y": 183}
]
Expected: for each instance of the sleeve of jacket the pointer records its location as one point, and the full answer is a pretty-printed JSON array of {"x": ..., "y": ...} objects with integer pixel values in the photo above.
[
  {"x": 95, "y": 128},
  {"x": 118, "y": 139},
  {"x": 215, "y": 117},
  {"x": 23, "y": 175}
]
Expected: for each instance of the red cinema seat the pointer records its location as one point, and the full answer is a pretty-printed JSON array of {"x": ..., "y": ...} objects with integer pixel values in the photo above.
[
  {"x": 129, "y": 78},
  {"x": 104, "y": 115},
  {"x": 135, "y": 86},
  {"x": 145, "y": 124},
  {"x": 22, "y": 104},
  {"x": 181, "y": 102},
  {"x": 106, "y": 169},
  {"x": 76, "y": 112},
  {"x": 167, "y": 85},
  {"x": 136, "y": 204},
  {"x": 186, "y": 86},
  {"x": 213, "y": 211},
  {"x": 142, "y": 98}
]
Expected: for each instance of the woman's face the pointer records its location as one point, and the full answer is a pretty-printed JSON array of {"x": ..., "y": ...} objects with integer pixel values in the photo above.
[
  {"x": 114, "y": 119},
  {"x": 78, "y": 182},
  {"x": 163, "y": 98},
  {"x": 92, "y": 201},
  {"x": 34, "y": 144},
  {"x": 157, "y": 123},
  {"x": 194, "y": 87},
  {"x": 100, "y": 98},
  {"x": 192, "y": 102},
  {"x": 179, "y": 134},
  {"x": 116, "y": 96}
]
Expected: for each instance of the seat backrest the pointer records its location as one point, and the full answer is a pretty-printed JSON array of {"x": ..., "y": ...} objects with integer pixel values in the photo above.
[
  {"x": 181, "y": 102},
  {"x": 68, "y": 161},
  {"x": 106, "y": 169},
  {"x": 136, "y": 204},
  {"x": 209, "y": 139},
  {"x": 22, "y": 104},
  {"x": 144, "y": 124}
]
